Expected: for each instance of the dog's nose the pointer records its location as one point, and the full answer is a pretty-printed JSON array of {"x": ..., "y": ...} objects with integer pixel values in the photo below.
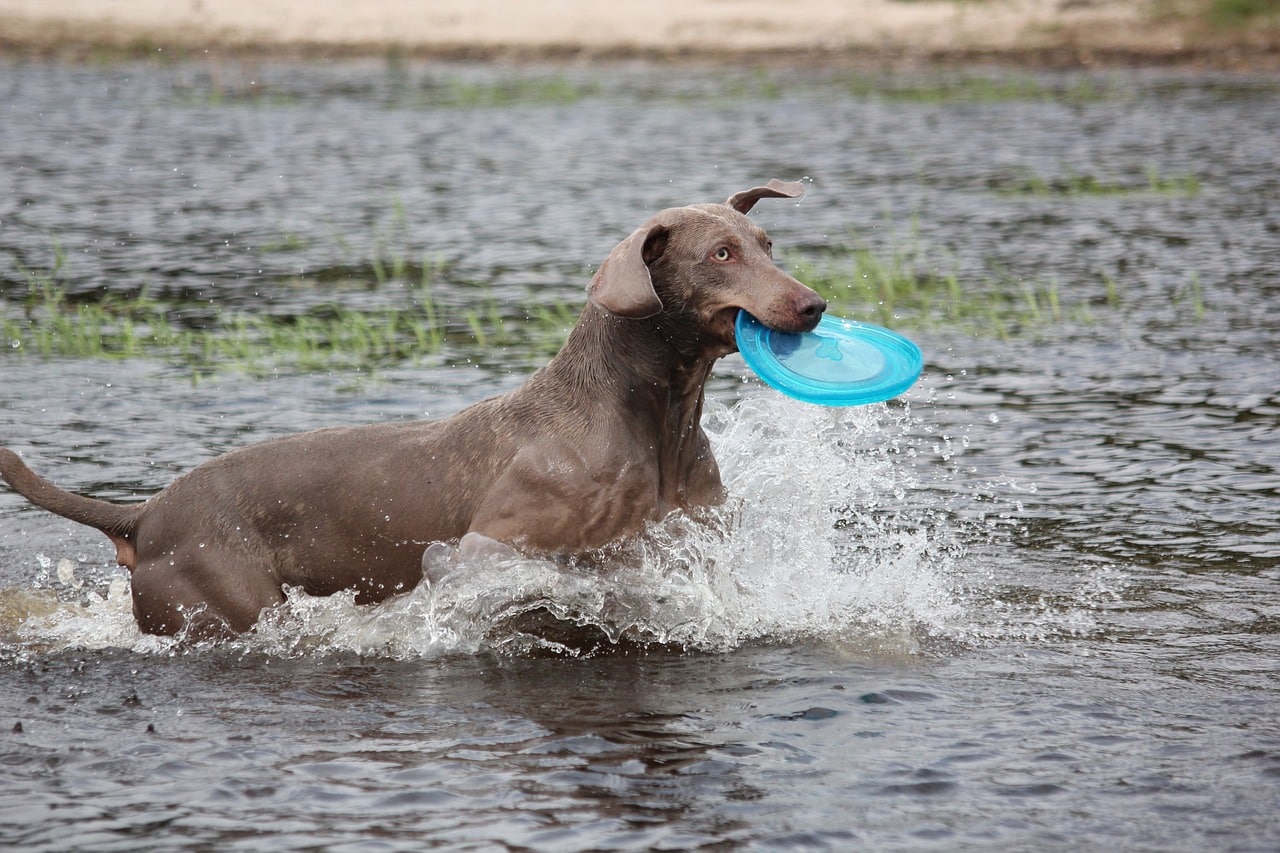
[{"x": 810, "y": 306}]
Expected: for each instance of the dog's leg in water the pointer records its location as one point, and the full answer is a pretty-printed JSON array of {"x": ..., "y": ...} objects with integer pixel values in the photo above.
[
  {"x": 190, "y": 590},
  {"x": 440, "y": 559}
]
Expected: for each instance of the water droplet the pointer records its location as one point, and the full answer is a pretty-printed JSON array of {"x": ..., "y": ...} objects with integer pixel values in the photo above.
[{"x": 67, "y": 574}]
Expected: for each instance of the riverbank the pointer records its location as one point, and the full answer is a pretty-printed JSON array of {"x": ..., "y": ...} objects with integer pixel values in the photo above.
[{"x": 1051, "y": 33}]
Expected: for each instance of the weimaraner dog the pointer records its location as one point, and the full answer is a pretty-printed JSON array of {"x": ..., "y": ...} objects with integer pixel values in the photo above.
[{"x": 600, "y": 441}]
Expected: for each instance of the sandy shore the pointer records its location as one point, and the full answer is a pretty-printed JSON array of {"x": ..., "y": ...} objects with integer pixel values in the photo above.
[{"x": 1078, "y": 32}]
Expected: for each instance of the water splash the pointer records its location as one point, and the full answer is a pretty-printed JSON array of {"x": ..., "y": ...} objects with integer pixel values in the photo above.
[
  {"x": 814, "y": 543},
  {"x": 832, "y": 533}
]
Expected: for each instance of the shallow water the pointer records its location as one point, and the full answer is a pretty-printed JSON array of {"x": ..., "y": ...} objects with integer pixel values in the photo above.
[{"x": 1035, "y": 606}]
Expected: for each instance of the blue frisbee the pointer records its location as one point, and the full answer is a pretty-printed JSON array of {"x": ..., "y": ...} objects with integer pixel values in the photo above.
[{"x": 839, "y": 363}]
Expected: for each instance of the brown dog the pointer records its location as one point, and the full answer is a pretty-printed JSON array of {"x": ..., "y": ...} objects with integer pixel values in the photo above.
[{"x": 600, "y": 441}]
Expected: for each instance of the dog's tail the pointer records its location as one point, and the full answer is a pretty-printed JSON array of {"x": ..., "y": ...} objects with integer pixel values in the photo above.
[{"x": 120, "y": 522}]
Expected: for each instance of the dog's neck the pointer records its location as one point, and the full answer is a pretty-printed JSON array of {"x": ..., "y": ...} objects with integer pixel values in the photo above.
[{"x": 634, "y": 363}]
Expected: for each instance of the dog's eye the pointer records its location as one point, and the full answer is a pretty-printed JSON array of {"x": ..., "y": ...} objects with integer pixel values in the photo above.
[{"x": 723, "y": 254}]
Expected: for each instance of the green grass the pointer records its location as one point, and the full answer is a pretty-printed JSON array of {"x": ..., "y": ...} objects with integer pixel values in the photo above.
[
  {"x": 1228, "y": 14},
  {"x": 1222, "y": 15},
  {"x": 899, "y": 288},
  {"x": 48, "y": 323},
  {"x": 1074, "y": 185},
  {"x": 938, "y": 88},
  {"x": 229, "y": 86},
  {"x": 903, "y": 290},
  {"x": 509, "y": 91},
  {"x": 235, "y": 85}
]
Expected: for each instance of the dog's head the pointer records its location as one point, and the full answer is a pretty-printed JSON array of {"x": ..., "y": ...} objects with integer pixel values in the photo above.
[{"x": 692, "y": 268}]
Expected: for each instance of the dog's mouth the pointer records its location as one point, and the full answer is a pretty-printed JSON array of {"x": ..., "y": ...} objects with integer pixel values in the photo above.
[
  {"x": 723, "y": 329},
  {"x": 797, "y": 323}
]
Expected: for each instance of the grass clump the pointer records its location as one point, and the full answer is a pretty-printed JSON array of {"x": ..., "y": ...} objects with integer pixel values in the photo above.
[
  {"x": 901, "y": 290},
  {"x": 1223, "y": 15},
  {"x": 507, "y": 91},
  {"x": 49, "y": 323},
  {"x": 1075, "y": 185},
  {"x": 1229, "y": 14},
  {"x": 979, "y": 89}
]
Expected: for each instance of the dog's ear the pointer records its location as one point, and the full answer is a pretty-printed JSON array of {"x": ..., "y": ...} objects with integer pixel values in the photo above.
[
  {"x": 745, "y": 200},
  {"x": 622, "y": 285}
]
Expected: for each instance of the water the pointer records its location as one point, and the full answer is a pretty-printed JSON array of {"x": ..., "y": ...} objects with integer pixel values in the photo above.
[{"x": 1032, "y": 606}]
